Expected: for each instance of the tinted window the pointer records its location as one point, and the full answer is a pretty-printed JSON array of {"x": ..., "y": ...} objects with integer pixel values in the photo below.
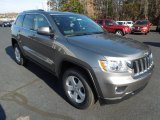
[
  {"x": 109, "y": 22},
  {"x": 40, "y": 21},
  {"x": 19, "y": 20},
  {"x": 29, "y": 22},
  {"x": 129, "y": 22},
  {"x": 100, "y": 22},
  {"x": 120, "y": 23}
]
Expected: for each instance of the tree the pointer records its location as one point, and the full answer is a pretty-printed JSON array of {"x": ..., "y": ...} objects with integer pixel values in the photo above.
[
  {"x": 53, "y": 4},
  {"x": 72, "y": 6},
  {"x": 115, "y": 9}
]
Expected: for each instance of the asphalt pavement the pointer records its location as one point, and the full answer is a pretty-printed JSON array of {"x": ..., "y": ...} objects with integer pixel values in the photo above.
[{"x": 31, "y": 93}]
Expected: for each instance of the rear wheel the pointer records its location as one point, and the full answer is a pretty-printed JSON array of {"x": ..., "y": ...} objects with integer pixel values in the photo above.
[
  {"x": 119, "y": 32},
  {"x": 77, "y": 89},
  {"x": 19, "y": 58}
]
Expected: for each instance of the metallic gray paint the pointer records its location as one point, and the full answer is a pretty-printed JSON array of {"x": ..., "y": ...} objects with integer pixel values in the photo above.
[{"x": 85, "y": 51}]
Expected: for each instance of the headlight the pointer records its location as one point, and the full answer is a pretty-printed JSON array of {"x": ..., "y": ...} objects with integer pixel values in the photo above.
[
  {"x": 144, "y": 28},
  {"x": 110, "y": 65}
]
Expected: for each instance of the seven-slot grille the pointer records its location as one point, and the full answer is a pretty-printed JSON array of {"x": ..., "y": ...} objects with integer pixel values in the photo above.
[{"x": 142, "y": 65}]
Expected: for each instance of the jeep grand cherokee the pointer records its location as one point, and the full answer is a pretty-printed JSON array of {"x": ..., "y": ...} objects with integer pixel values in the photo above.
[{"x": 91, "y": 63}]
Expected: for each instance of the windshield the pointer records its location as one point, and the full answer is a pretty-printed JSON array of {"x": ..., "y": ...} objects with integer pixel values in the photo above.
[
  {"x": 141, "y": 22},
  {"x": 73, "y": 25}
]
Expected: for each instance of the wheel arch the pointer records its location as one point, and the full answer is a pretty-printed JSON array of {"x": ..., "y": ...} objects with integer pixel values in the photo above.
[
  {"x": 14, "y": 41},
  {"x": 120, "y": 30},
  {"x": 86, "y": 70}
]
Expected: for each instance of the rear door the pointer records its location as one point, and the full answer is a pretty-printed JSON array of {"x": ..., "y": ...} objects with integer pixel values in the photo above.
[{"x": 26, "y": 34}]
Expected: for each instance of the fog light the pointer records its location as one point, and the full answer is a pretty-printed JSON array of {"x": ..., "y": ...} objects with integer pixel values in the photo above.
[{"x": 120, "y": 90}]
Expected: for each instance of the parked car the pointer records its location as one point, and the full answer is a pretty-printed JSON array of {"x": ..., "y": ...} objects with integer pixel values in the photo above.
[
  {"x": 158, "y": 26},
  {"x": 11, "y": 22},
  {"x": 90, "y": 62},
  {"x": 126, "y": 23},
  {"x": 130, "y": 24},
  {"x": 5, "y": 24},
  {"x": 121, "y": 23},
  {"x": 111, "y": 26},
  {"x": 141, "y": 26}
]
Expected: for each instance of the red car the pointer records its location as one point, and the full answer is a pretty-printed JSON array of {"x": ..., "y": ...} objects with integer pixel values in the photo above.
[
  {"x": 111, "y": 26},
  {"x": 141, "y": 26}
]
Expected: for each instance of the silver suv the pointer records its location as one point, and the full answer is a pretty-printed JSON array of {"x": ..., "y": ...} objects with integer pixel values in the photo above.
[{"x": 91, "y": 63}]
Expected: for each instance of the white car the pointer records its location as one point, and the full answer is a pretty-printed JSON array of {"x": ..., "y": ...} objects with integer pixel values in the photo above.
[
  {"x": 121, "y": 23},
  {"x": 126, "y": 23},
  {"x": 130, "y": 23}
]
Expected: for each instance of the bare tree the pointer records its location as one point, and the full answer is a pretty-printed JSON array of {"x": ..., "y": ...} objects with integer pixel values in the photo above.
[{"x": 53, "y": 4}]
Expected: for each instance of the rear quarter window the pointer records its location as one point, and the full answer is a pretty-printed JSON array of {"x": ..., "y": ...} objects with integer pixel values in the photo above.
[{"x": 19, "y": 21}]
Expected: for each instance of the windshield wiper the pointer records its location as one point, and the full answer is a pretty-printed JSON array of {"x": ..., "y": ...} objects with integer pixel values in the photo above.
[
  {"x": 98, "y": 32},
  {"x": 79, "y": 34}
]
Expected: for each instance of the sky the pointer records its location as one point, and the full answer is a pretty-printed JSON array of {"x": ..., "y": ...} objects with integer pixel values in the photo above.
[{"x": 20, "y": 5}]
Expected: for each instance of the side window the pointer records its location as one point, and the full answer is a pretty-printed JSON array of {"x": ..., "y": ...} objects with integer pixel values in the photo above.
[
  {"x": 19, "y": 20},
  {"x": 40, "y": 21},
  {"x": 100, "y": 22},
  {"x": 29, "y": 22},
  {"x": 108, "y": 23}
]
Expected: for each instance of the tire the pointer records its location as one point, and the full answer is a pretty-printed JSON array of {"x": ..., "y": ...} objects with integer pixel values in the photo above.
[
  {"x": 146, "y": 33},
  {"x": 19, "y": 58},
  {"x": 77, "y": 89},
  {"x": 119, "y": 32}
]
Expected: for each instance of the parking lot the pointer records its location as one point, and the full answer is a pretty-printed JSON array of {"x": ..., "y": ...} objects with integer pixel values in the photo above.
[{"x": 31, "y": 92}]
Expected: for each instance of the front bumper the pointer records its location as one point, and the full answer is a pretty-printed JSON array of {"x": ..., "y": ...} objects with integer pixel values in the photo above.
[
  {"x": 139, "y": 31},
  {"x": 116, "y": 86}
]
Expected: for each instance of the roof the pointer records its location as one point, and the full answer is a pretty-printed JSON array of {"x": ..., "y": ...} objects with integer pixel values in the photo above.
[{"x": 49, "y": 12}]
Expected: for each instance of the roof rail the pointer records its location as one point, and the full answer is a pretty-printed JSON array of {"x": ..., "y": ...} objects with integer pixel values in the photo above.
[{"x": 38, "y": 10}]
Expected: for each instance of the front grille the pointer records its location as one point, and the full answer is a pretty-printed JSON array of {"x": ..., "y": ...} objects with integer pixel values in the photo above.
[{"x": 142, "y": 65}]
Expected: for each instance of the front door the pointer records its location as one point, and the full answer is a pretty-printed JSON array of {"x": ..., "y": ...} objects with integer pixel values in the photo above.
[
  {"x": 109, "y": 26},
  {"x": 43, "y": 45}
]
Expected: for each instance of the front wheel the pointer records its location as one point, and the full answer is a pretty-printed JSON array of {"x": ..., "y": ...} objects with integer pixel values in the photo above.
[
  {"x": 119, "y": 32},
  {"x": 77, "y": 89}
]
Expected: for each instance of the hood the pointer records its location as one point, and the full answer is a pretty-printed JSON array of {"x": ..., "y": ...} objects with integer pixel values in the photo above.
[{"x": 109, "y": 45}]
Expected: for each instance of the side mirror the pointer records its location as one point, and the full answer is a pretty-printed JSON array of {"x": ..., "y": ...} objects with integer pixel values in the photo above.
[{"x": 45, "y": 31}]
